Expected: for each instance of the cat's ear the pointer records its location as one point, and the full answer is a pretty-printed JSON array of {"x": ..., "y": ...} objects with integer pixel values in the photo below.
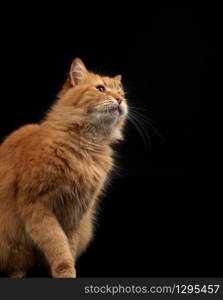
[
  {"x": 118, "y": 77},
  {"x": 78, "y": 71}
]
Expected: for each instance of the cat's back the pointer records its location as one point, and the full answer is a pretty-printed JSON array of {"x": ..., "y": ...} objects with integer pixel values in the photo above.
[
  {"x": 13, "y": 147},
  {"x": 13, "y": 151},
  {"x": 17, "y": 137}
]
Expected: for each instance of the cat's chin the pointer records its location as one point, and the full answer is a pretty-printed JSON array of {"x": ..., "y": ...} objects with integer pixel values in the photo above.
[
  {"x": 107, "y": 118},
  {"x": 113, "y": 112}
]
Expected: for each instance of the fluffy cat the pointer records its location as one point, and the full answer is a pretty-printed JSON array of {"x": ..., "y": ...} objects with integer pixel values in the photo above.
[{"x": 52, "y": 173}]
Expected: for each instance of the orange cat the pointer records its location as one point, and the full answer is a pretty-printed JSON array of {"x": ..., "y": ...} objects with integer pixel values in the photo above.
[{"x": 52, "y": 173}]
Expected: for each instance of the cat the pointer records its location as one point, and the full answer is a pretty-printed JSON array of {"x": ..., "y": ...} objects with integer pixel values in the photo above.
[{"x": 52, "y": 173}]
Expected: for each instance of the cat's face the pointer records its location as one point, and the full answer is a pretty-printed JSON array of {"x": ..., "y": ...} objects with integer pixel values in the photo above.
[{"x": 99, "y": 101}]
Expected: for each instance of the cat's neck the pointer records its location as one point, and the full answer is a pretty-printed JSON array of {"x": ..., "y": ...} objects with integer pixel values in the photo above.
[
  {"x": 73, "y": 127},
  {"x": 76, "y": 135}
]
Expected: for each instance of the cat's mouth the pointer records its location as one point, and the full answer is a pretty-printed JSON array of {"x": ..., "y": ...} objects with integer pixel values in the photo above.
[
  {"x": 108, "y": 115},
  {"x": 114, "y": 109},
  {"x": 110, "y": 110}
]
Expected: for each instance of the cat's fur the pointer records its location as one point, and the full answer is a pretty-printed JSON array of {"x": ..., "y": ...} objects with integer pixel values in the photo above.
[{"x": 52, "y": 173}]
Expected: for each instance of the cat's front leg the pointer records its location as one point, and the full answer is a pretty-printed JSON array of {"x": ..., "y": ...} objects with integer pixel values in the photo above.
[
  {"x": 80, "y": 237},
  {"x": 73, "y": 239},
  {"x": 47, "y": 233}
]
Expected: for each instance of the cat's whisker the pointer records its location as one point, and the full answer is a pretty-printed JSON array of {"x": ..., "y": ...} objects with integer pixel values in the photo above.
[
  {"x": 141, "y": 114},
  {"x": 146, "y": 121},
  {"x": 141, "y": 131},
  {"x": 142, "y": 109},
  {"x": 144, "y": 128},
  {"x": 141, "y": 118}
]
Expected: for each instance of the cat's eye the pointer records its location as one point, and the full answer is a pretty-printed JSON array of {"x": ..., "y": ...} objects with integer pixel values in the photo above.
[{"x": 100, "y": 88}]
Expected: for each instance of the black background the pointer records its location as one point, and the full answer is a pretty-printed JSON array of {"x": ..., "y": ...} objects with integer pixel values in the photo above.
[{"x": 159, "y": 216}]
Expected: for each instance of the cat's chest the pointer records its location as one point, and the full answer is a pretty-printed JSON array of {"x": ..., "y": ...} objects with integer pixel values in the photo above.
[
  {"x": 88, "y": 177},
  {"x": 80, "y": 190}
]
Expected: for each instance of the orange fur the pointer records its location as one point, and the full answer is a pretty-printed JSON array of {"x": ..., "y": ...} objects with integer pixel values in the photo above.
[{"x": 52, "y": 173}]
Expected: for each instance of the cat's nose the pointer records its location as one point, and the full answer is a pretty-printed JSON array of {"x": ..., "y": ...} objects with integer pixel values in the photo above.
[{"x": 119, "y": 100}]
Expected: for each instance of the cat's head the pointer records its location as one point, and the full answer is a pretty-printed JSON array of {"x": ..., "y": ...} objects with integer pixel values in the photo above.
[{"x": 95, "y": 102}]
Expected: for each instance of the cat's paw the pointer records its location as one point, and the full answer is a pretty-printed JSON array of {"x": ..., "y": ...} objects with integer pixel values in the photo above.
[
  {"x": 18, "y": 274},
  {"x": 64, "y": 271}
]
